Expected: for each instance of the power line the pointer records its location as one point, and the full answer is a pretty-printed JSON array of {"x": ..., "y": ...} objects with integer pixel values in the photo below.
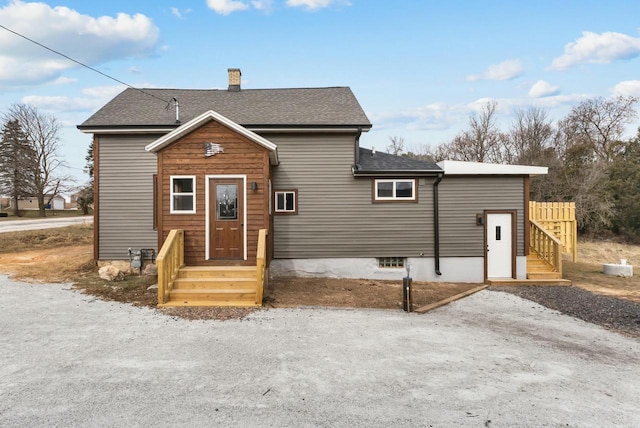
[{"x": 83, "y": 65}]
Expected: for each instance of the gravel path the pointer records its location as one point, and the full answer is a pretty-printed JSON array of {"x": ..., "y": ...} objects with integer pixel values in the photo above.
[{"x": 615, "y": 314}]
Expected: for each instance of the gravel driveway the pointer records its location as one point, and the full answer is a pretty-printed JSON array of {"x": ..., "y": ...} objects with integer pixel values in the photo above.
[{"x": 490, "y": 360}]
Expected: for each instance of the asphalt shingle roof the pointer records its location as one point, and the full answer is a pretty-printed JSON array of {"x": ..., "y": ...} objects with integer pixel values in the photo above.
[
  {"x": 249, "y": 107},
  {"x": 380, "y": 162}
]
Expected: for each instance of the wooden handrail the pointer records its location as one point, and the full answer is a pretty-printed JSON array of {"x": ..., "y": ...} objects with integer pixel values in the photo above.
[
  {"x": 261, "y": 265},
  {"x": 170, "y": 260},
  {"x": 559, "y": 218},
  {"x": 547, "y": 246}
]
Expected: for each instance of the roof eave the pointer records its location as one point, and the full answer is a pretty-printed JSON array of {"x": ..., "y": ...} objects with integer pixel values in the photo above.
[
  {"x": 206, "y": 117},
  {"x": 396, "y": 173}
]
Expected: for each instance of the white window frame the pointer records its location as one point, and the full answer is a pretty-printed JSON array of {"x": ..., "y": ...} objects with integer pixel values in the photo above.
[
  {"x": 392, "y": 262},
  {"x": 294, "y": 192},
  {"x": 172, "y": 210},
  {"x": 394, "y": 197}
]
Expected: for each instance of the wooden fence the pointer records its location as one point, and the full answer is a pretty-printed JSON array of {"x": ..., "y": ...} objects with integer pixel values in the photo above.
[{"x": 559, "y": 219}]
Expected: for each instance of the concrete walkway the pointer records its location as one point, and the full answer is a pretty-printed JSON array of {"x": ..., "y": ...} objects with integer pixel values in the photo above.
[
  {"x": 42, "y": 223},
  {"x": 490, "y": 360}
]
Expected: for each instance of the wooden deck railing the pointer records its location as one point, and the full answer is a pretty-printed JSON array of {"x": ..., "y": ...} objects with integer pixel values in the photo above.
[
  {"x": 261, "y": 265},
  {"x": 559, "y": 218},
  {"x": 170, "y": 260},
  {"x": 548, "y": 247}
]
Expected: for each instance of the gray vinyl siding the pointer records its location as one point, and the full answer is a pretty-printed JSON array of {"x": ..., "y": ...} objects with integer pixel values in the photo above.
[
  {"x": 461, "y": 198},
  {"x": 336, "y": 217},
  {"x": 125, "y": 196}
]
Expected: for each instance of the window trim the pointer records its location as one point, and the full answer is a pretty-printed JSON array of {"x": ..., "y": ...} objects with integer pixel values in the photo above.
[
  {"x": 172, "y": 210},
  {"x": 285, "y": 211},
  {"x": 377, "y": 199}
]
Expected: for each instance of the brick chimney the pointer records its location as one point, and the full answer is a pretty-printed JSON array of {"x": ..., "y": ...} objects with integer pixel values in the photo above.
[{"x": 234, "y": 79}]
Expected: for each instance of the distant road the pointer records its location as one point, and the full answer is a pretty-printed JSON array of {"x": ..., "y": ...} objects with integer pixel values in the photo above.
[{"x": 42, "y": 223}]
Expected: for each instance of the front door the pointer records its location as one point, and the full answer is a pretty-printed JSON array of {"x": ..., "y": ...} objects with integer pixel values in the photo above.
[
  {"x": 226, "y": 218},
  {"x": 499, "y": 237}
]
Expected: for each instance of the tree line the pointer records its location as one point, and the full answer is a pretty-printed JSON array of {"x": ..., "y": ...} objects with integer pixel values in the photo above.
[
  {"x": 30, "y": 165},
  {"x": 589, "y": 160}
]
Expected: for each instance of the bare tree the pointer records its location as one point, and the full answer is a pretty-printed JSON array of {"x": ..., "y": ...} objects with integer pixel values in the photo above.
[
  {"x": 85, "y": 195},
  {"x": 600, "y": 123},
  {"x": 482, "y": 142},
  {"x": 530, "y": 136},
  {"x": 396, "y": 146},
  {"x": 15, "y": 160},
  {"x": 42, "y": 132}
]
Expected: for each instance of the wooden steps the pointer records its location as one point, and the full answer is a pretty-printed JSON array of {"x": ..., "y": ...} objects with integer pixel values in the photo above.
[
  {"x": 514, "y": 282},
  {"x": 539, "y": 270},
  {"x": 214, "y": 286}
]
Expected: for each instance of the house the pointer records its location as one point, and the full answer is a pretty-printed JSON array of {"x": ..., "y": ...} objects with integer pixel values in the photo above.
[
  {"x": 222, "y": 165},
  {"x": 55, "y": 202}
]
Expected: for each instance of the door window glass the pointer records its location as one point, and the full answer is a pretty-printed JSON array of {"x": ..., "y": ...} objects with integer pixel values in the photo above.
[{"x": 226, "y": 202}]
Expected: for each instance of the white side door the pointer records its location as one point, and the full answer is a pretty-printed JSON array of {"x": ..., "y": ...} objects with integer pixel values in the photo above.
[{"x": 499, "y": 245}]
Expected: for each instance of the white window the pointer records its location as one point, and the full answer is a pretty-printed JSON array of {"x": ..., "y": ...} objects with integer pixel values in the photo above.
[
  {"x": 395, "y": 190},
  {"x": 183, "y": 194},
  {"x": 286, "y": 201},
  {"x": 391, "y": 262}
]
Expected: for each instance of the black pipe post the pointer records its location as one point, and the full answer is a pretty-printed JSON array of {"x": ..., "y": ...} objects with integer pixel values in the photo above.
[{"x": 436, "y": 225}]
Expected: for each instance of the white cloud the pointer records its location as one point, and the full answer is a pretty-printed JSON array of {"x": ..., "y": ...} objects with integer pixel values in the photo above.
[
  {"x": 593, "y": 48},
  {"x": 434, "y": 116},
  {"x": 64, "y": 80},
  {"x": 506, "y": 70},
  {"x": 316, "y": 4},
  {"x": 70, "y": 32},
  {"x": 135, "y": 70},
  {"x": 180, "y": 14},
  {"x": 627, "y": 88},
  {"x": 543, "y": 89},
  {"x": 61, "y": 103},
  {"x": 264, "y": 5},
  {"x": 93, "y": 98},
  {"x": 225, "y": 7}
]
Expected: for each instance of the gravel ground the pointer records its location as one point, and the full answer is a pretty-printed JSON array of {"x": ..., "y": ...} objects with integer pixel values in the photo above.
[
  {"x": 490, "y": 360},
  {"x": 615, "y": 314}
]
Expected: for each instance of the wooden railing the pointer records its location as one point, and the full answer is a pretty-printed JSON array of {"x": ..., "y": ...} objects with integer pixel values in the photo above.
[
  {"x": 261, "y": 265},
  {"x": 170, "y": 260},
  {"x": 547, "y": 246},
  {"x": 559, "y": 219}
]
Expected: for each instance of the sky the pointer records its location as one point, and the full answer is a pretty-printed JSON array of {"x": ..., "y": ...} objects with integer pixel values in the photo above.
[{"x": 419, "y": 68}]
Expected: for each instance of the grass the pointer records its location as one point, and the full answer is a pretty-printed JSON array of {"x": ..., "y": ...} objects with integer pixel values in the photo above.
[
  {"x": 587, "y": 272},
  {"x": 14, "y": 242},
  {"x": 31, "y": 214}
]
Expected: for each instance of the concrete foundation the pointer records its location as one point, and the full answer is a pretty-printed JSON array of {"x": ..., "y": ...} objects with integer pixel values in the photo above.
[{"x": 452, "y": 269}]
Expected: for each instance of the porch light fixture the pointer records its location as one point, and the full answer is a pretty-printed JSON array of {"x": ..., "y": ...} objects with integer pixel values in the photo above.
[{"x": 254, "y": 186}]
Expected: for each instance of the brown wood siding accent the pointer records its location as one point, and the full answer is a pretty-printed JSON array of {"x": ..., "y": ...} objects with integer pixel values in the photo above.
[
  {"x": 240, "y": 157},
  {"x": 125, "y": 195},
  {"x": 462, "y": 197},
  {"x": 336, "y": 217}
]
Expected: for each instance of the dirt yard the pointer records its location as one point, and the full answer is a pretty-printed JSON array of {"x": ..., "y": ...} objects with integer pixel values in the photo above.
[{"x": 65, "y": 255}]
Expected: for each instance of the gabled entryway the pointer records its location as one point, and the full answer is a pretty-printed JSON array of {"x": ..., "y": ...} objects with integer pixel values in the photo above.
[{"x": 213, "y": 186}]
